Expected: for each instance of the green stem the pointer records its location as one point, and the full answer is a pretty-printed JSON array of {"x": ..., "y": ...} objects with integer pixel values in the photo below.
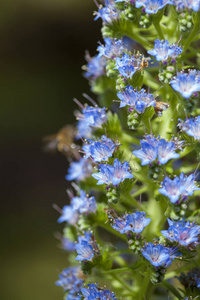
[
  {"x": 123, "y": 283},
  {"x": 158, "y": 29}
]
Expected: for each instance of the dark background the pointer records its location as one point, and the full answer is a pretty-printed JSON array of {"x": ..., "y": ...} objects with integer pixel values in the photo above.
[{"x": 42, "y": 48}]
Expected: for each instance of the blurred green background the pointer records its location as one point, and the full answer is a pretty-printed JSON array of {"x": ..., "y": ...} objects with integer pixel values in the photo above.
[{"x": 42, "y": 47}]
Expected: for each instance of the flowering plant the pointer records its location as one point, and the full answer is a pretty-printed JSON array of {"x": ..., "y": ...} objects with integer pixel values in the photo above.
[{"x": 131, "y": 228}]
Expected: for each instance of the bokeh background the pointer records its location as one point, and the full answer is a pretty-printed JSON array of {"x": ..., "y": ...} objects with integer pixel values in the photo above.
[{"x": 42, "y": 48}]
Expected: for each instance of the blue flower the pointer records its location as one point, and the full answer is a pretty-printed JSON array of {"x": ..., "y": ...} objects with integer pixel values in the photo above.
[
  {"x": 86, "y": 237},
  {"x": 84, "y": 203},
  {"x": 69, "y": 215},
  {"x": 84, "y": 247},
  {"x": 105, "y": 174},
  {"x": 162, "y": 50},
  {"x": 191, "y": 126},
  {"x": 128, "y": 65},
  {"x": 89, "y": 118},
  {"x": 99, "y": 150},
  {"x": 158, "y": 255},
  {"x": 149, "y": 151},
  {"x": 69, "y": 280},
  {"x": 85, "y": 251},
  {"x": 79, "y": 170},
  {"x": 67, "y": 244},
  {"x": 185, "y": 233},
  {"x": 186, "y": 84},
  {"x": 174, "y": 188},
  {"x": 108, "y": 13},
  {"x": 189, "y": 184},
  {"x": 120, "y": 172},
  {"x": 138, "y": 100},
  {"x": 113, "y": 174},
  {"x": 166, "y": 151},
  {"x": 171, "y": 188},
  {"x": 143, "y": 100},
  {"x": 112, "y": 48},
  {"x": 93, "y": 292},
  {"x": 95, "y": 67},
  {"x": 135, "y": 222},
  {"x": 128, "y": 97},
  {"x": 187, "y": 4},
  {"x": 152, "y": 6},
  {"x": 153, "y": 149}
]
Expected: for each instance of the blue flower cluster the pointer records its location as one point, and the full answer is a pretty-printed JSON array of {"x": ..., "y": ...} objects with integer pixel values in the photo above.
[
  {"x": 191, "y": 126},
  {"x": 79, "y": 205},
  {"x": 95, "y": 67},
  {"x": 137, "y": 100},
  {"x": 69, "y": 280},
  {"x": 135, "y": 222},
  {"x": 91, "y": 117},
  {"x": 184, "y": 233},
  {"x": 158, "y": 255},
  {"x": 190, "y": 280},
  {"x": 93, "y": 292},
  {"x": 113, "y": 174},
  {"x": 108, "y": 13},
  {"x": 186, "y": 83},
  {"x": 99, "y": 150},
  {"x": 112, "y": 48},
  {"x": 155, "y": 148},
  {"x": 79, "y": 170},
  {"x": 152, "y": 6},
  {"x": 127, "y": 65},
  {"x": 85, "y": 247},
  {"x": 163, "y": 51},
  {"x": 178, "y": 187}
]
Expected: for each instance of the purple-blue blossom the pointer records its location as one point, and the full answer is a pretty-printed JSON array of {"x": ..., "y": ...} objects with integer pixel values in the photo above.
[
  {"x": 108, "y": 13},
  {"x": 90, "y": 117},
  {"x": 95, "y": 67},
  {"x": 135, "y": 222},
  {"x": 155, "y": 148},
  {"x": 111, "y": 49},
  {"x": 187, "y": 4},
  {"x": 184, "y": 233},
  {"x": 152, "y": 6},
  {"x": 85, "y": 251},
  {"x": 69, "y": 215},
  {"x": 138, "y": 100},
  {"x": 79, "y": 170},
  {"x": 84, "y": 203},
  {"x": 186, "y": 83},
  {"x": 178, "y": 187},
  {"x": 67, "y": 244},
  {"x": 93, "y": 292},
  {"x": 162, "y": 50},
  {"x": 158, "y": 255},
  {"x": 127, "y": 65},
  {"x": 69, "y": 280},
  {"x": 84, "y": 247},
  {"x": 99, "y": 150},
  {"x": 191, "y": 126},
  {"x": 113, "y": 174}
]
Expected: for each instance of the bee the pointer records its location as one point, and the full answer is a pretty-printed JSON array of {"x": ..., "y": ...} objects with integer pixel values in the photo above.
[
  {"x": 160, "y": 106},
  {"x": 63, "y": 141},
  {"x": 144, "y": 63}
]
